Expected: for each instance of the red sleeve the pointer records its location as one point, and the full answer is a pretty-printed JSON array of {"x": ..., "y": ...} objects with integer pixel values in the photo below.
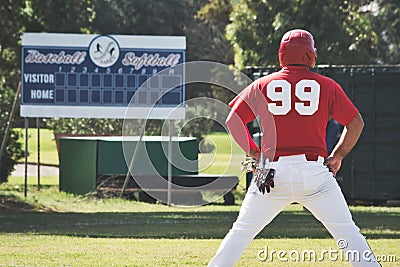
[
  {"x": 244, "y": 105},
  {"x": 242, "y": 113},
  {"x": 342, "y": 109}
]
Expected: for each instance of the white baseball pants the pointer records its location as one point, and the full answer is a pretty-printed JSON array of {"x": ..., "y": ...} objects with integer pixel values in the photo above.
[{"x": 308, "y": 183}]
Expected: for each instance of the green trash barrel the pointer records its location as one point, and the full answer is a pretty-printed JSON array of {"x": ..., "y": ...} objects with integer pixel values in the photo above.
[{"x": 83, "y": 159}]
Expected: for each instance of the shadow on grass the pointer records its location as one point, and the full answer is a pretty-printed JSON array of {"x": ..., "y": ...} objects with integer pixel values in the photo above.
[
  {"x": 13, "y": 204},
  {"x": 22, "y": 218}
]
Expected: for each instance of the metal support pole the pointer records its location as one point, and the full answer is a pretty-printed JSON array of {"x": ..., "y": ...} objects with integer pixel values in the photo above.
[
  {"x": 38, "y": 152},
  {"x": 26, "y": 157},
  {"x": 169, "y": 195}
]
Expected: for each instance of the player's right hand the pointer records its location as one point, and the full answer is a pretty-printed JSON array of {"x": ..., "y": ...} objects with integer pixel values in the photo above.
[
  {"x": 255, "y": 153},
  {"x": 333, "y": 163}
]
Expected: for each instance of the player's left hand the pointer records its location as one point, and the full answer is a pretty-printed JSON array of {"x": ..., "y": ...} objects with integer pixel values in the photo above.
[
  {"x": 264, "y": 179},
  {"x": 333, "y": 163}
]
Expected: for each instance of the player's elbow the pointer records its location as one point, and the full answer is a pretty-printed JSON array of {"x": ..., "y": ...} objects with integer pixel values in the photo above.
[{"x": 357, "y": 124}]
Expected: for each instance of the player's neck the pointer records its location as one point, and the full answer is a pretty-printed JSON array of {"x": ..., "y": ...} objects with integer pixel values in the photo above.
[{"x": 296, "y": 66}]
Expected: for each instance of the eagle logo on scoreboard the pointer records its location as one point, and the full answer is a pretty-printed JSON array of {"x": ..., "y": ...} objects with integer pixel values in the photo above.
[{"x": 104, "y": 51}]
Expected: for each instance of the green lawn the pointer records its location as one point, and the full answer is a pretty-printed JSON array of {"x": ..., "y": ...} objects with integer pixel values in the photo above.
[
  {"x": 58, "y": 250},
  {"x": 48, "y": 150},
  {"x": 52, "y": 228}
]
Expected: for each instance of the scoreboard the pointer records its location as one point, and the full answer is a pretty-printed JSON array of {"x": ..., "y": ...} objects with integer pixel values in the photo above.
[{"x": 102, "y": 76}]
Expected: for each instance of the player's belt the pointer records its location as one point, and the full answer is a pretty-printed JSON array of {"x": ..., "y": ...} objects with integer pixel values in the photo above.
[{"x": 309, "y": 157}]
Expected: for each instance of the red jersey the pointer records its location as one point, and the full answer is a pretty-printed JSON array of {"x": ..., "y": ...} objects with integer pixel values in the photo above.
[{"x": 293, "y": 106}]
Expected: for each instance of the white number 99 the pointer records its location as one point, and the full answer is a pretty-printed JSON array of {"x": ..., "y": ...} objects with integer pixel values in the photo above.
[{"x": 285, "y": 98}]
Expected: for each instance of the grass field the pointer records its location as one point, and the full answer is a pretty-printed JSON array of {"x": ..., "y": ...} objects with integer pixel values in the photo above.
[
  {"x": 48, "y": 150},
  {"x": 52, "y": 228}
]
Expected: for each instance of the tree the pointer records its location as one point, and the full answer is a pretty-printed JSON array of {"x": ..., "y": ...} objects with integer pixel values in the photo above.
[
  {"x": 72, "y": 16},
  {"x": 343, "y": 34},
  {"x": 210, "y": 33},
  {"x": 11, "y": 23},
  {"x": 211, "y": 21},
  {"x": 13, "y": 150},
  {"x": 385, "y": 18}
]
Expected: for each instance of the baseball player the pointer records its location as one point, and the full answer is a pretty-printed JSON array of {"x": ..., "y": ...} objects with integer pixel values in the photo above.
[{"x": 293, "y": 106}]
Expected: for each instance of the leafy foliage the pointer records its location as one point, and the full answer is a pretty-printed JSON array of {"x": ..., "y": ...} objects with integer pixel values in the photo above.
[
  {"x": 212, "y": 18},
  {"x": 85, "y": 126},
  {"x": 13, "y": 151},
  {"x": 385, "y": 18},
  {"x": 343, "y": 33}
]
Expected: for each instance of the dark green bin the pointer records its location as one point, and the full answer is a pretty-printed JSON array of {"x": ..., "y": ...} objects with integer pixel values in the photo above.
[{"x": 83, "y": 159}]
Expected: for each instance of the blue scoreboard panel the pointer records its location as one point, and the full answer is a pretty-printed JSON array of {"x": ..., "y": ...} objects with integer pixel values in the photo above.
[{"x": 102, "y": 76}]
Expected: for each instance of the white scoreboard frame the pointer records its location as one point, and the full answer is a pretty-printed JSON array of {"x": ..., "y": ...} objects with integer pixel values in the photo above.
[{"x": 83, "y": 41}]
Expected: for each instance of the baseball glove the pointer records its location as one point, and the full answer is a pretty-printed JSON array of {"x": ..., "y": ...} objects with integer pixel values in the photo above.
[{"x": 264, "y": 179}]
